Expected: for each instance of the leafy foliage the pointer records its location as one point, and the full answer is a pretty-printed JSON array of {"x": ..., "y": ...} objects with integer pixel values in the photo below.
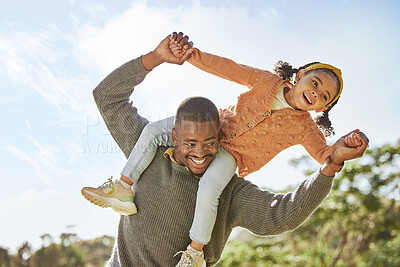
[
  {"x": 357, "y": 225},
  {"x": 70, "y": 252}
]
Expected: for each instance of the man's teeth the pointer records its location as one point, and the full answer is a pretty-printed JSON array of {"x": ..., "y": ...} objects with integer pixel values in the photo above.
[{"x": 198, "y": 161}]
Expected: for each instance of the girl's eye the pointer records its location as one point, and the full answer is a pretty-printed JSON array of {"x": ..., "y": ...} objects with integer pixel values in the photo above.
[
  {"x": 315, "y": 83},
  {"x": 324, "y": 97}
]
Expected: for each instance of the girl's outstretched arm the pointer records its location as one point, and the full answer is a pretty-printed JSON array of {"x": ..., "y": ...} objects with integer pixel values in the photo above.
[
  {"x": 216, "y": 65},
  {"x": 315, "y": 142},
  {"x": 224, "y": 68}
]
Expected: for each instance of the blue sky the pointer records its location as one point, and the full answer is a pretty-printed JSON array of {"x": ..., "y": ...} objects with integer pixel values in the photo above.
[{"x": 53, "y": 53}]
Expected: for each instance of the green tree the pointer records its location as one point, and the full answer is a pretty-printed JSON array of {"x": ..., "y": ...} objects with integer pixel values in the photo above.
[
  {"x": 65, "y": 254},
  {"x": 97, "y": 251},
  {"x": 5, "y": 258},
  {"x": 357, "y": 225},
  {"x": 47, "y": 239},
  {"x": 23, "y": 256},
  {"x": 70, "y": 252}
]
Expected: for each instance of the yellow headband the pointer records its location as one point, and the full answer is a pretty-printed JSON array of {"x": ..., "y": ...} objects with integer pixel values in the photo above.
[{"x": 337, "y": 72}]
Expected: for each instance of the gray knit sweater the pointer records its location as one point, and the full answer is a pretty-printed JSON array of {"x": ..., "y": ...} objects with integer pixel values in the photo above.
[{"x": 165, "y": 195}]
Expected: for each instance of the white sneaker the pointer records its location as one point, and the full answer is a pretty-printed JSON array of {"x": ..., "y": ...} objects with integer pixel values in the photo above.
[{"x": 191, "y": 258}]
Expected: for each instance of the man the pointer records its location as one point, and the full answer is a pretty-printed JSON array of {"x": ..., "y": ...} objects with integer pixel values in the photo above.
[{"x": 166, "y": 192}]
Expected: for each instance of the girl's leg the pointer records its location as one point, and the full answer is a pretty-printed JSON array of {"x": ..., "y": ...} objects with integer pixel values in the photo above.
[
  {"x": 118, "y": 195},
  {"x": 211, "y": 185},
  {"x": 154, "y": 134}
]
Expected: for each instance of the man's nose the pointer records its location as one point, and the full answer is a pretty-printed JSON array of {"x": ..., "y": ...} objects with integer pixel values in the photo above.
[{"x": 199, "y": 151}]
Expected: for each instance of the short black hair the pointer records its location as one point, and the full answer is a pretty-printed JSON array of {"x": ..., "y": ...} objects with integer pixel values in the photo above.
[{"x": 198, "y": 109}]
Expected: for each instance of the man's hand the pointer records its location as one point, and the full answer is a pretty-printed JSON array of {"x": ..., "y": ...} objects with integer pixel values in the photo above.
[
  {"x": 358, "y": 142},
  {"x": 163, "y": 53}
]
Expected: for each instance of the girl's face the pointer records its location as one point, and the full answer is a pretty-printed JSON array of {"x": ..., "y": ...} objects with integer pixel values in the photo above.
[{"x": 313, "y": 90}]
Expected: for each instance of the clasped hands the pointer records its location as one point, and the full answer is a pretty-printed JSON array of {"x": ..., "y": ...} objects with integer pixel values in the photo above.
[
  {"x": 175, "y": 48},
  {"x": 349, "y": 146}
]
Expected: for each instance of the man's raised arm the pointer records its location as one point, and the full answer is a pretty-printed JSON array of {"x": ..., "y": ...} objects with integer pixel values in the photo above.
[
  {"x": 113, "y": 92},
  {"x": 265, "y": 213}
]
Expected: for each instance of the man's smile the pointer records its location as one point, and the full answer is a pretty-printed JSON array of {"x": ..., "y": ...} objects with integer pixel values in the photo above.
[{"x": 197, "y": 162}]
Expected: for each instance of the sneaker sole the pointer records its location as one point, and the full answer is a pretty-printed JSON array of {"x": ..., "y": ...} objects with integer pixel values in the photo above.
[{"x": 124, "y": 208}]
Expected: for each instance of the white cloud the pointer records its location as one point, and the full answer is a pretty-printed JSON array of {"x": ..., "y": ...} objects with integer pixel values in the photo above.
[
  {"x": 15, "y": 97},
  {"x": 36, "y": 212},
  {"x": 140, "y": 28},
  {"x": 96, "y": 11},
  {"x": 72, "y": 151},
  {"x": 36, "y": 62},
  {"x": 28, "y": 125},
  {"x": 131, "y": 34},
  {"x": 44, "y": 158}
]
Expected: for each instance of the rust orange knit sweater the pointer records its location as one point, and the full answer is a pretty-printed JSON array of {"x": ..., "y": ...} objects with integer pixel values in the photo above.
[{"x": 251, "y": 131}]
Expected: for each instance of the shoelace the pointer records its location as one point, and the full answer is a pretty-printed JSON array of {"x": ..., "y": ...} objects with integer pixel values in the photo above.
[
  {"x": 108, "y": 183},
  {"x": 186, "y": 253}
]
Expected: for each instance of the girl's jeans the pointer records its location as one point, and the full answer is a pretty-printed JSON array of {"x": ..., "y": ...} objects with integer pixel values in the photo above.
[{"x": 211, "y": 184}]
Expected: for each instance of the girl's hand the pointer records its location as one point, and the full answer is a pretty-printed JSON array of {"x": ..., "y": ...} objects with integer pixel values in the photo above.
[
  {"x": 179, "y": 44},
  {"x": 353, "y": 140},
  {"x": 342, "y": 151},
  {"x": 176, "y": 49}
]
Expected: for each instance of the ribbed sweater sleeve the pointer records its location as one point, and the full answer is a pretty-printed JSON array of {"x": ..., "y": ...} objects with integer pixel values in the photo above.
[
  {"x": 112, "y": 99},
  {"x": 266, "y": 213},
  {"x": 263, "y": 212}
]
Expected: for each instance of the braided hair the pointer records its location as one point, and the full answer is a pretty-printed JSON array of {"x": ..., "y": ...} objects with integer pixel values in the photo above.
[{"x": 286, "y": 71}]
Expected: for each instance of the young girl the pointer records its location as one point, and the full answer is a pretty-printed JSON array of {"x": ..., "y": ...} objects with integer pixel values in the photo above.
[{"x": 270, "y": 117}]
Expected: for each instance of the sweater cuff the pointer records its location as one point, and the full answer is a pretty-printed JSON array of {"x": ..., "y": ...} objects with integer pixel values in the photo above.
[
  {"x": 138, "y": 67},
  {"x": 318, "y": 174}
]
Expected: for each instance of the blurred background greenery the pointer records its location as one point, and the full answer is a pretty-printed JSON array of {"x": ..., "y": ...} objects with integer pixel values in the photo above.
[
  {"x": 356, "y": 225},
  {"x": 69, "y": 252}
]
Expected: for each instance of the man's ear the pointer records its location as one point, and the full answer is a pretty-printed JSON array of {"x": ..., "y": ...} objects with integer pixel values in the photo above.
[
  {"x": 174, "y": 137},
  {"x": 321, "y": 109},
  {"x": 299, "y": 75}
]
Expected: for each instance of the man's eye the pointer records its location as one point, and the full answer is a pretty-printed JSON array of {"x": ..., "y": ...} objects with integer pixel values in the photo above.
[
  {"x": 189, "y": 145},
  {"x": 211, "y": 144}
]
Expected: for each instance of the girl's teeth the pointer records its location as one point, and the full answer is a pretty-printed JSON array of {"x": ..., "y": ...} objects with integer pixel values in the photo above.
[{"x": 308, "y": 100}]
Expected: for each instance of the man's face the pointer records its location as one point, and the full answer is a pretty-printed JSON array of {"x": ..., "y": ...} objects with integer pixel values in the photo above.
[{"x": 196, "y": 144}]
